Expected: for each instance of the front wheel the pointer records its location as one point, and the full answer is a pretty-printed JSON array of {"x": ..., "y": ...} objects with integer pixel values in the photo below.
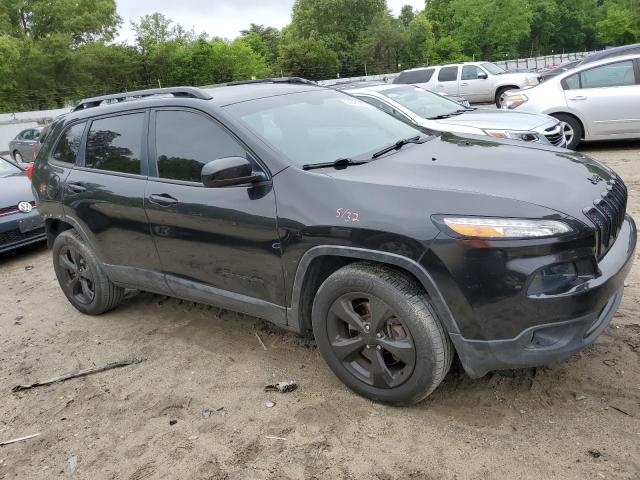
[
  {"x": 500, "y": 96},
  {"x": 81, "y": 276},
  {"x": 377, "y": 331}
]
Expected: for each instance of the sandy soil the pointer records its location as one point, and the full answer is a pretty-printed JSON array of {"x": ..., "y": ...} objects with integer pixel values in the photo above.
[{"x": 205, "y": 369}]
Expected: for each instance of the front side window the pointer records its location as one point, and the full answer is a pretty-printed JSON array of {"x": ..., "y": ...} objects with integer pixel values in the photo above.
[
  {"x": 320, "y": 125},
  {"x": 186, "y": 141},
  {"x": 115, "y": 144},
  {"x": 448, "y": 74},
  {"x": 471, "y": 72},
  {"x": 493, "y": 69},
  {"x": 67, "y": 148},
  {"x": 613, "y": 75}
]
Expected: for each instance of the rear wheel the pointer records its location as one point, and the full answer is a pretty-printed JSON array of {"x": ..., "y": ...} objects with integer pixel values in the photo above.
[
  {"x": 378, "y": 333},
  {"x": 573, "y": 130},
  {"x": 17, "y": 156},
  {"x": 81, "y": 276}
]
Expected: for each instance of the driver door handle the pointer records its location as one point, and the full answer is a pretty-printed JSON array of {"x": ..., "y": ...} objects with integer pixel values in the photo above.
[
  {"x": 163, "y": 199},
  {"x": 578, "y": 97}
]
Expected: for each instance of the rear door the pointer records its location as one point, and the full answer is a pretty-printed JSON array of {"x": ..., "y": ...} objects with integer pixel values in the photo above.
[
  {"x": 473, "y": 88},
  {"x": 27, "y": 143},
  {"x": 214, "y": 243},
  {"x": 607, "y": 98},
  {"x": 104, "y": 196},
  {"x": 447, "y": 80}
]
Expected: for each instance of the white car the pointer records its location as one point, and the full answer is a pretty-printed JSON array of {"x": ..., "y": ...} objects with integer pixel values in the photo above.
[
  {"x": 416, "y": 106},
  {"x": 476, "y": 81},
  {"x": 596, "y": 101}
]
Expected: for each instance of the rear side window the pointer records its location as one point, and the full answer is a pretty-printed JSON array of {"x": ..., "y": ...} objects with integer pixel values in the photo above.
[
  {"x": 186, "y": 141},
  {"x": 448, "y": 74},
  {"x": 67, "y": 148},
  {"x": 115, "y": 144},
  {"x": 415, "y": 76}
]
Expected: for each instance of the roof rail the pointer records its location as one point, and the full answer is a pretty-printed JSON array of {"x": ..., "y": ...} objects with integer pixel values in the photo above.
[
  {"x": 300, "y": 80},
  {"x": 190, "y": 92}
]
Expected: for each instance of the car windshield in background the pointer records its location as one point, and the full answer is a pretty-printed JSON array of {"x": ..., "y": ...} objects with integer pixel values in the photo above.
[
  {"x": 321, "y": 126},
  {"x": 7, "y": 168},
  {"x": 423, "y": 103},
  {"x": 493, "y": 69}
]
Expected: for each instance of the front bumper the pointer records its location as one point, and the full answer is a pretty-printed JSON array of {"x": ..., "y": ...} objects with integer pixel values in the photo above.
[
  {"x": 11, "y": 235},
  {"x": 552, "y": 342}
]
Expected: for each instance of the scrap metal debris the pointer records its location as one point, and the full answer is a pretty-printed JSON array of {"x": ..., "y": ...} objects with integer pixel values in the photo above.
[
  {"x": 76, "y": 374},
  {"x": 282, "y": 387},
  {"x": 264, "y": 347},
  {"x": 20, "y": 439}
]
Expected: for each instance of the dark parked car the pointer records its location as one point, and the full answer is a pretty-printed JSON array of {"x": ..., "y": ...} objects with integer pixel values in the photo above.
[
  {"x": 312, "y": 209},
  {"x": 552, "y": 72},
  {"x": 20, "y": 223},
  {"x": 23, "y": 146},
  {"x": 611, "y": 52}
]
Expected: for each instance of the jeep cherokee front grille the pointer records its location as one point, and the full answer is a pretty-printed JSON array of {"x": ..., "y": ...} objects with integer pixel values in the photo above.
[{"x": 608, "y": 215}]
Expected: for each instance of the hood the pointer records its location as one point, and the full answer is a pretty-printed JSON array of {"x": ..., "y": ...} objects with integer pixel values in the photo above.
[
  {"x": 15, "y": 188},
  {"x": 549, "y": 177},
  {"x": 499, "y": 120}
]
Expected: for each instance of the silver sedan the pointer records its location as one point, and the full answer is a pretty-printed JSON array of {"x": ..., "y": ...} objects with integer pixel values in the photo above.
[
  {"x": 596, "y": 101},
  {"x": 23, "y": 146},
  {"x": 417, "y": 106}
]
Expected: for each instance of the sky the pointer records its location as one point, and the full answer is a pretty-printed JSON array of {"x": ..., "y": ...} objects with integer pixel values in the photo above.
[{"x": 223, "y": 18}]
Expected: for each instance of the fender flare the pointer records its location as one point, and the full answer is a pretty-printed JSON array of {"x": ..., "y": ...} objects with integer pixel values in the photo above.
[{"x": 437, "y": 300}]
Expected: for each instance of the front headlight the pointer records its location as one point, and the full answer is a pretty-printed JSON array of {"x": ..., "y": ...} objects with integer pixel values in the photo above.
[
  {"x": 514, "y": 135},
  {"x": 505, "y": 228},
  {"x": 531, "y": 81},
  {"x": 513, "y": 101}
]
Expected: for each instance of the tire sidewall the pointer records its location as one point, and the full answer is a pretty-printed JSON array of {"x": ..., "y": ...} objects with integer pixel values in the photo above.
[
  {"x": 71, "y": 238},
  {"x": 421, "y": 381},
  {"x": 577, "y": 130}
]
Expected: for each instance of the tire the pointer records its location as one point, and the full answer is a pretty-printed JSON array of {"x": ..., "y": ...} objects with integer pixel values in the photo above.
[
  {"x": 572, "y": 129},
  {"x": 500, "y": 92},
  {"x": 17, "y": 156},
  {"x": 81, "y": 276},
  {"x": 359, "y": 350}
]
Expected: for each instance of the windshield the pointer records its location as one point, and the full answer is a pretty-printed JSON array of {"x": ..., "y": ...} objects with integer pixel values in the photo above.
[
  {"x": 422, "y": 102},
  {"x": 493, "y": 69},
  {"x": 7, "y": 168},
  {"x": 321, "y": 125}
]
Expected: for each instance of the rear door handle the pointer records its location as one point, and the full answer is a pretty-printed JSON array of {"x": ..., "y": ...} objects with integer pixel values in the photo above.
[
  {"x": 578, "y": 97},
  {"x": 163, "y": 199},
  {"x": 76, "y": 188}
]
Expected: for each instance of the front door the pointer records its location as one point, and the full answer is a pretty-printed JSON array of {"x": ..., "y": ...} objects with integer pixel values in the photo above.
[
  {"x": 213, "y": 242},
  {"x": 473, "y": 88},
  {"x": 104, "y": 196},
  {"x": 607, "y": 97}
]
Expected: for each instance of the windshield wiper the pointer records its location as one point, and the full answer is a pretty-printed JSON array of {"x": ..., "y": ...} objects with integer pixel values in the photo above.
[
  {"x": 339, "y": 164},
  {"x": 398, "y": 145},
  {"x": 452, "y": 114}
]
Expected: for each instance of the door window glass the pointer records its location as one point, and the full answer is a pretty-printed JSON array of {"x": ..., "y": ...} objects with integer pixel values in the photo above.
[
  {"x": 186, "y": 141},
  {"x": 67, "y": 148},
  {"x": 448, "y": 74},
  {"x": 614, "y": 75},
  {"x": 471, "y": 72},
  {"x": 115, "y": 144},
  {"x": 572, "y": 82},
  {"x": 416, "y": 76}
]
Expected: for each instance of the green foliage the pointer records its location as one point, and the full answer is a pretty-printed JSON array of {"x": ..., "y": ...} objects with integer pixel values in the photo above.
[{"x": 52, "y": 53}]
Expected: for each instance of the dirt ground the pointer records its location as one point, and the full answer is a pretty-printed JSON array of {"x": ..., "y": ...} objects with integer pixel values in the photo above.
[{"x": 195, "y": 407}]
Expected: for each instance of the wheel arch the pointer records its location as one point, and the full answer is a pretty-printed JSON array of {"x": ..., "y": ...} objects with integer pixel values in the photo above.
[
  {"x": 321, "y": 261},
  {"x": 553, "y": 113}
]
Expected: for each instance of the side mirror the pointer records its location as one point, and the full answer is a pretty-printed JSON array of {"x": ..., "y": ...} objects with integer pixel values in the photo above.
[
  {"x": 482, "y": 76},
  {"x": 225, "y": 172}
]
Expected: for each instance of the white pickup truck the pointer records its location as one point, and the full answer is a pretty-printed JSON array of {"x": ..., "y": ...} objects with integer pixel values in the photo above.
[{"x": 475, "y": 81}]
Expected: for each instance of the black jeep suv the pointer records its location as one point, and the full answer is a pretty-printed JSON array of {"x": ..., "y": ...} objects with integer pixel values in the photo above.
[{"x": 396, "y": 248}]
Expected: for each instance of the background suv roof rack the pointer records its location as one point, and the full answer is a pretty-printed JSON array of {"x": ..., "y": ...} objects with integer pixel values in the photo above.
[
  {"x": 191, "y": 92},
  {"x": 274, "y": 80}
]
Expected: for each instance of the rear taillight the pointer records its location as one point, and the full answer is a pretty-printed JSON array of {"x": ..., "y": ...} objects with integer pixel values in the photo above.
[{"x": 29, "y": 171}]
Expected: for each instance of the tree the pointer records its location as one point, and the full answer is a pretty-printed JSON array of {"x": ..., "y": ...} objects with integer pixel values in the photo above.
[
  {"x": 620, "y": 25},
  {"x": 263, "y": 40},
  {"x": 308, "y": 58},
  {"x": 380, "y": 44},
  {"x": 419, "y": 44},
  {"x": 407, "y": 15}
]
